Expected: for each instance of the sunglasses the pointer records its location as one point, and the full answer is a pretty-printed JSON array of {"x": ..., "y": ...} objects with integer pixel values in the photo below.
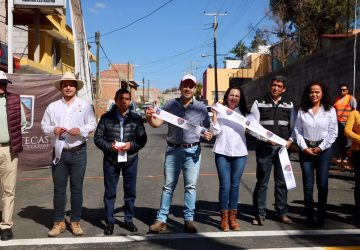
[{"x": 343, "y": 89}]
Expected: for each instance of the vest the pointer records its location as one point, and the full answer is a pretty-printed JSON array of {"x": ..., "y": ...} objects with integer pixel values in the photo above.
[
  {"x": 343, "y": 108},
  {"x": 275, "y": 117},
  {"x": 13, "y": 111}
]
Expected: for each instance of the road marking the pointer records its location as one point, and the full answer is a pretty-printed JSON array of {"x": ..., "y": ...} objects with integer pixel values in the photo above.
[{"x": 172, "y": 236}]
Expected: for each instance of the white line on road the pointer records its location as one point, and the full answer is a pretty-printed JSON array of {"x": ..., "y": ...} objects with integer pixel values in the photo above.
[{"x": 172, "y": 236}]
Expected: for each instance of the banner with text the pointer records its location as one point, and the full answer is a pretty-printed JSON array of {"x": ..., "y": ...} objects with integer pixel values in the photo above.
[{"x": 36, "y": 92}]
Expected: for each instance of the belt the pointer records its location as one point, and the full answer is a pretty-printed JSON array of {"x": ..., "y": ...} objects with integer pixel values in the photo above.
[
  {"x": 184, "y": 145},
  {"x": 6, "y": 144},
  {"x": 313, "y": 144},
  {"x": 74, "y": 149}
]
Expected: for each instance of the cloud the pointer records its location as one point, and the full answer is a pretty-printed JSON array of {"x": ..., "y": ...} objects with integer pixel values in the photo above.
[{"x": 97, "y": 7}]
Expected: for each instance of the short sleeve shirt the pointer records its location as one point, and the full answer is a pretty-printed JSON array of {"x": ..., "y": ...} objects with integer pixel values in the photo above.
[{"x": 195, "y": 113}]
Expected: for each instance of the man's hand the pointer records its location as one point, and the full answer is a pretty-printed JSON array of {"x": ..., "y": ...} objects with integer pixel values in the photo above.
[
  {"x": 271, "y": 143},
  {"x": 59, "y": 130},
  {"x": 123, "y": 148},
  {"x": 207, "y": 135},
  {"x": 309, "y": 151},
  {"x": 74, "y": 131},
  {"x": 288, "y": 144},
  {"x": 316, "y": 150},
  {"x": 149, "y": 113}
]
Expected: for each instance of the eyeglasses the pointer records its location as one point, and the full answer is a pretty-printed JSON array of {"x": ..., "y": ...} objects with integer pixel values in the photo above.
[{"x": 343, "y": 89}]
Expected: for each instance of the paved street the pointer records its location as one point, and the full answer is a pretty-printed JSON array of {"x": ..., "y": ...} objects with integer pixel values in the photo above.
[{"x": 33, "y": 209}]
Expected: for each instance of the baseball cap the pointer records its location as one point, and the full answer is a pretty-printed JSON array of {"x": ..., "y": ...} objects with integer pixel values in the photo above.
[
  {"x": 3, "y": 78},
  {"x": 189, "y": 77}
]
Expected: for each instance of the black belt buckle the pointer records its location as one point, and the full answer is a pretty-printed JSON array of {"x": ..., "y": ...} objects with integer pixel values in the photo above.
[
  {"x": 74, "y": 149},
  {"x": 313, "y": 144},
  {"x": 184, "y": 145}
]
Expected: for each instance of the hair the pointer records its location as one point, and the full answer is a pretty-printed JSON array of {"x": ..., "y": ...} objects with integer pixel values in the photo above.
[
  {"x": 242, "y": 104},
  {"x": 344, "y": 85},
  {"x": 279, "y": 78},
  {"x": 325, "y": 100},
  {"x": 122, "y": 91}
]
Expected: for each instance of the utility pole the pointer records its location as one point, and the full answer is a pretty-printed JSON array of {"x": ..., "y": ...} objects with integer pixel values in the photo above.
[
  {"x": 97, "y": 41},
  {"x": 215, "y": 55},
  {"x": 348, "y": 18},
  {"x": 143, "y": 99}
]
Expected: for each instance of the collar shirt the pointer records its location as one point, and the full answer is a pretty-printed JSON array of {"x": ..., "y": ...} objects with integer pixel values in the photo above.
[
  {"x": 321, "y": 126},
  {"x": 122, "y": 120},
  {"x": 78, "y": 114},
  {"x": 195, "y": 113},
  {"x": 230, "y": 137}
]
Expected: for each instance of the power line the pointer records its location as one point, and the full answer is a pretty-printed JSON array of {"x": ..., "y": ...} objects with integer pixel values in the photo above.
[
  {"x": 137, "y": 20},
  {"x": 102, "y": 49},
  {"x": 253, "y": 28}
]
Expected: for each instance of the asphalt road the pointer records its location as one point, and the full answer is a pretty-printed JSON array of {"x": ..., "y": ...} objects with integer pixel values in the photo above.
[{"x": 33, "y": 209}]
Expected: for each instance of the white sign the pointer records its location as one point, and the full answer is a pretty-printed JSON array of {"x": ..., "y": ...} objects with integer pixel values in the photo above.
[{"x": 41, "y": 3}]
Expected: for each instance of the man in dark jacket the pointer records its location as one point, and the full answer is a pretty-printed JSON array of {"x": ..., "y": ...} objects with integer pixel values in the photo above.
[
  {"x": 276, "y": 114},
  {"x": 120, "y": 134},
  {"x": 12, "y": 123}
]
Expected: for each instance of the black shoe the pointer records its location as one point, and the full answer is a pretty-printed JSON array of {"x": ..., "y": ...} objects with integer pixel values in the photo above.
[
  {"x": 190, "y": 227},
  {"x": 6, "y": 234},
  {"x": 130, "y": 226},
  {"x": 109, "y": 229}
]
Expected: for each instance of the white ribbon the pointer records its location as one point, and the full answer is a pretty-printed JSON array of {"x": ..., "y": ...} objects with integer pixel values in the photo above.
[
  {"x": 178, "y": 121},
  {"x": 255, "y": 127},
  {"x": 59, "y": 145}
]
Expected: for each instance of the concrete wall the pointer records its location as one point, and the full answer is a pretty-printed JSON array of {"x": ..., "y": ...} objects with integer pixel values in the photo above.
[{"x": 332, "y": 66}]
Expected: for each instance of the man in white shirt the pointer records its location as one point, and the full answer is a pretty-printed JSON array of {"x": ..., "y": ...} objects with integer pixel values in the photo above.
[{"x": 68, "y": 123}]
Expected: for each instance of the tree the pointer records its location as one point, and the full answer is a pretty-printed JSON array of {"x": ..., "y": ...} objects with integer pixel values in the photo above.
[
  {"x": 240, "y": 50},
  {"x": 316, "y": 17},
  {"x": 260, "y": 38},
  {"x": 198, "y": 91}
]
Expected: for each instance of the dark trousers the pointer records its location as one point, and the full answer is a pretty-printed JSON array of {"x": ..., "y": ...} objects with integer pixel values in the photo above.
[
  {"x": 72, "y": 164},
  {"x": 356, "y": 165},
  {"x": 111, "y": 179},
  {"x": 266, "y": 157},
  {"x": 320, "y": 164}
]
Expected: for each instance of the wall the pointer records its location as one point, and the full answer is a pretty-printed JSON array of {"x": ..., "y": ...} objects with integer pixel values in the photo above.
[{"x": 331, "y": 66}]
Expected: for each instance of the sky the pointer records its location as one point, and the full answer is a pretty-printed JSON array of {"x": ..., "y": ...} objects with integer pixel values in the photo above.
[{"x": 169, "y": 43}]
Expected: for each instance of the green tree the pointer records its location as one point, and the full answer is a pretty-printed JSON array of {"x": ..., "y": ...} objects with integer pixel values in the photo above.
[
  {"x": 258, "y": 40},
  {"x": 240, "y": 50},
  {"x": 316, "y": 17},
  {"x": 198, "y": 91}
]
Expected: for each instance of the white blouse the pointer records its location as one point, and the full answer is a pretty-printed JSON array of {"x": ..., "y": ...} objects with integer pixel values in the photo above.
[
  {"x": 230, "y": 136},
  {"x": 321, "y": 126}
]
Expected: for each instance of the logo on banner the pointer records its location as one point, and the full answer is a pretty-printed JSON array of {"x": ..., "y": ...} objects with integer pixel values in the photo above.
[
  {"x": 288, "y": 168},
  {"x": 229, "y": 111},
  {"x": 269, "y": 134},
  {"x": 158, "y": 111},
  {"x": 28, "y": 102},
  {"x": 180, "y": 121},
  {"x": 247, "y": 123}
]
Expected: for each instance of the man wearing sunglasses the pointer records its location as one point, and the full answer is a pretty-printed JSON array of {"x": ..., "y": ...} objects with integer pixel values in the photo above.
[{"x": 344, "y": 104}]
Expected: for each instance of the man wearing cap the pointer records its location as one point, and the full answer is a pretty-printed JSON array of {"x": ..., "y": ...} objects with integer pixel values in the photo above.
[
  {"x": 276, "y": 114},
  {"x": 182, "y": 153},
  {"x": 12, "y": 124},
  {"x": 68, "y": 122}
]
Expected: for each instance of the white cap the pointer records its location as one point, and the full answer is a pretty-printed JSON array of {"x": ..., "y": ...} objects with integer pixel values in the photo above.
[
  {"x": 189, "y": 77},
  {"x": 3, "y": 78}
]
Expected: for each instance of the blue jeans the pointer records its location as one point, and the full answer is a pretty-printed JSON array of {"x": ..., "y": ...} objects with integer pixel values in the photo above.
[
  {"x": 177, "y": 159},
  {"x": 266, "y": 157},
  {"x": 321, "y": 165},
  {"x": 111, "y": 179},
  {"x": 230, "y": 170},
  {"x": 71, "y": 164}
]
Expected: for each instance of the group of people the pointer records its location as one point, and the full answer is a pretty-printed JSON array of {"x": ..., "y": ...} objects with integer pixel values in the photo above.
[{"x": 120, "y": 134}]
